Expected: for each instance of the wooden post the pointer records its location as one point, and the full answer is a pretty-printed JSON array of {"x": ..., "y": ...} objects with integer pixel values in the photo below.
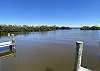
[
  {"x": 9, "y": 36},
  {"x": 78, "y": 56},
  {"x": 13, "y": 40},
  {"x": 12, "y": 46}
]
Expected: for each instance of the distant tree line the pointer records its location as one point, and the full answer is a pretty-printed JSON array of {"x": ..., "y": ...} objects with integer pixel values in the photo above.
[
  {"x": 90, "y": 28},
  {"x": 25, "y": 28}
]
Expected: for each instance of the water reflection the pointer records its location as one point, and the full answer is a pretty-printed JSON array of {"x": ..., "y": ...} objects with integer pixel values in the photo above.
[
  {"x": 49, "y": 69},
  {"x": 53, "y": 51},
  {"x": 5, "y": 34},
  {"x": 8, "y": 53}
]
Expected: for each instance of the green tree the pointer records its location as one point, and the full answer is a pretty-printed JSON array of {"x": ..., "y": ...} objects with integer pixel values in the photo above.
[{"x": 85, "y": 28}]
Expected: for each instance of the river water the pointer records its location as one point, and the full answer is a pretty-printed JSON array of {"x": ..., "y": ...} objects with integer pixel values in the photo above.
[{"x": 53, "y": 51}]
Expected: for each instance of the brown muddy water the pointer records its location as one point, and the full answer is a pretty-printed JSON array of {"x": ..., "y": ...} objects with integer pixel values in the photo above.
[{"x": 52, "y": 51}]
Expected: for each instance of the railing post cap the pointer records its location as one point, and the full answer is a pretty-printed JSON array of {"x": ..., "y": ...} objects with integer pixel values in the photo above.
[
  {"x": 12, "y": 35},
  {"x": 79, "y": 42},
  {"x": 9, "y": 34}
]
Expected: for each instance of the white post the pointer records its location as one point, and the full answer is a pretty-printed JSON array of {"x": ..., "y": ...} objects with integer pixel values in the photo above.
[
  {"x": 78, "y": 56},
  {"x": 9, "y": 36},
  {"x": 13, "y": 40}
]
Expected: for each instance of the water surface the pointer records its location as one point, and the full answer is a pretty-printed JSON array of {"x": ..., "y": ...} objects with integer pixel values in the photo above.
[{"x": 52, "y": 51}]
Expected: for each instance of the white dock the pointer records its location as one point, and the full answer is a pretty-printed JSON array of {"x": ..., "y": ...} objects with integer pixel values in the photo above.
[
  {"x": 3, "y": 44},
  {"x": 10, "y": 44}
]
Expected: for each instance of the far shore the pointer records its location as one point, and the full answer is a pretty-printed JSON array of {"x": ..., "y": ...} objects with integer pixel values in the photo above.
[{"x": 4, "y": 29}]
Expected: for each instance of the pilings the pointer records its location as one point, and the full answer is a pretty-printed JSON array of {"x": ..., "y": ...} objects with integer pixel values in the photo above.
[
  {"x": 78, "y": 57},
  {"x": 9, "y": 36},
  {"x": 9, "y": 44},
  {"x": 12, "y": 46},
  {"x": 12, "y": 37}
]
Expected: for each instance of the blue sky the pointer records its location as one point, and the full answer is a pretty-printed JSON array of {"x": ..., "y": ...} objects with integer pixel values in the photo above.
[{"x": 50, "y": 12}]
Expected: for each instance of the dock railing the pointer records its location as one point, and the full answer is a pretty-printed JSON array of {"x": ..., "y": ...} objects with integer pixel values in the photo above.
[{"x": 10, "y": 43}]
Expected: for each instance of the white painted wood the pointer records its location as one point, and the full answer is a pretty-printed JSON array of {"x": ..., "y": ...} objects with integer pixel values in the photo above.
[
  {"x": 9, "y": 36},
  {"x": 9, "y": 42},
  {"x": 5, "y": 43},
  {"x": 12, "y": 35},
  {"x": 78, "y": 57},
  {"x": 12, "y": 43},
  {"x": 83, "y": 69}
]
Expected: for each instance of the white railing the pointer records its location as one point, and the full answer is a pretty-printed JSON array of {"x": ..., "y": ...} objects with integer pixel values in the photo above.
[
  {"x": 3, "y": 44},
  {"x": 11, "y": 43}
]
